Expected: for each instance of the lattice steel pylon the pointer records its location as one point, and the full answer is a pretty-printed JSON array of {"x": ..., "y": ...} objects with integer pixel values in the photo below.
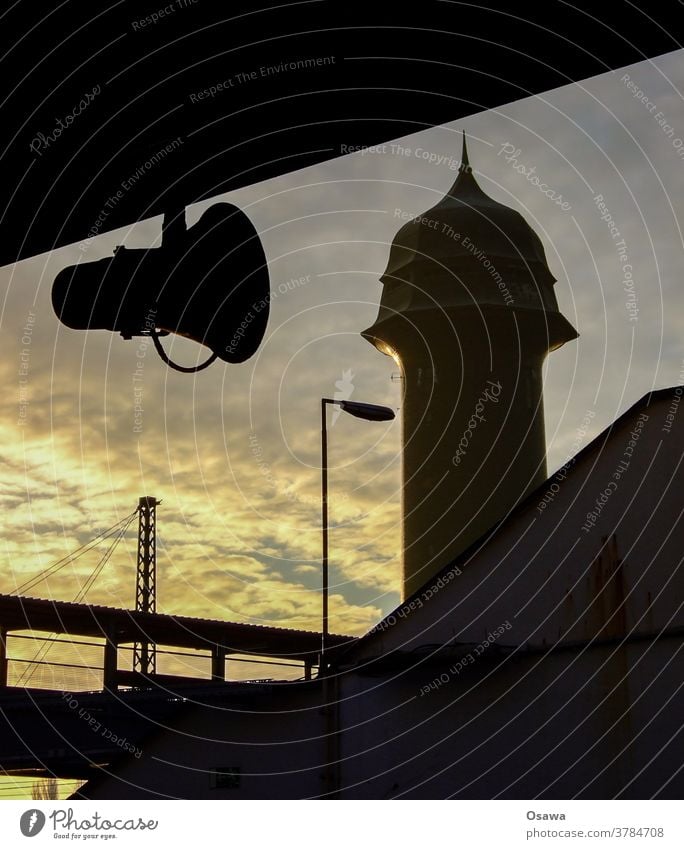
[{"x": 145, "y": 654}]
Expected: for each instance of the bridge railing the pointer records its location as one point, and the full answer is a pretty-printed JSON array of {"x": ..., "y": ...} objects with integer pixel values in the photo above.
[{"x": 61, "y": 663}]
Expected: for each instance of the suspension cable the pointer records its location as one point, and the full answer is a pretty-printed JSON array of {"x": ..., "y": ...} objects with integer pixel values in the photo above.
[
  {"x": 69, "y": 558},
  {"x": 32, "y": 665},
  {"x": 103, "y": 562}
]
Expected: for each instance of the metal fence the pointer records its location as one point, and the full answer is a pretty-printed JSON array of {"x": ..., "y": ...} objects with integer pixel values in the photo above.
[{"x": 60, "y": 663}]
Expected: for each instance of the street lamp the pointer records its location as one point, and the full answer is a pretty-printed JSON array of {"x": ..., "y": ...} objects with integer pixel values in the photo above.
[{"x": 371, "y": 413}]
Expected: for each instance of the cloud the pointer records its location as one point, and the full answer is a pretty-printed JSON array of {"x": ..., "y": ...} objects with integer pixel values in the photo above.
[{"x": 234, "y": 452}]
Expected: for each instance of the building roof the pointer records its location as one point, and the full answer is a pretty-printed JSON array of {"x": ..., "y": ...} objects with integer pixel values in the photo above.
[
  {"x": 126, "y": 626},
  {"x": 405, "y": 610}
]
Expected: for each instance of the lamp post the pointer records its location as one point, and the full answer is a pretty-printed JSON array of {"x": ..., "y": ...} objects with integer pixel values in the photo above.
[{"x": 371, "y": 413}]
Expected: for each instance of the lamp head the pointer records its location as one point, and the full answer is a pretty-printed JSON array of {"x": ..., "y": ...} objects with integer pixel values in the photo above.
[{"x": 369, "y": 412}]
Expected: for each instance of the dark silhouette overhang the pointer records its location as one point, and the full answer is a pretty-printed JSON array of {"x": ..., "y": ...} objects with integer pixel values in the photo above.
[{"x": 161, "y": 110}]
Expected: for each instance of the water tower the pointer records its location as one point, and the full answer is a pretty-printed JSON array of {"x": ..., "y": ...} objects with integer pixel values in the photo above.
[{"x": 469, "y": 313}]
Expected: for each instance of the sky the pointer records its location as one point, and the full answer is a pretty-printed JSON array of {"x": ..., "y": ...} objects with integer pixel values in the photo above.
[{"x": 233, "y": 453}]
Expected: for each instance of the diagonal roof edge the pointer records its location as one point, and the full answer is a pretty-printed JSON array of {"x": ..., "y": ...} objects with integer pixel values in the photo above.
[{"x": 645, "y": 401}]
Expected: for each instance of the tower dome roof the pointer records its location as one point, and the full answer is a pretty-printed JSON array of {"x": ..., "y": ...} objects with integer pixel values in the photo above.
[{"x": 464, "y": 222}]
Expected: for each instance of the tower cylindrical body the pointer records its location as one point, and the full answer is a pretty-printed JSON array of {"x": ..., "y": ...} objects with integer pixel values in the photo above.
[
  {"x": 469, "y": 314},
  {"x": 472, "y": 426}
]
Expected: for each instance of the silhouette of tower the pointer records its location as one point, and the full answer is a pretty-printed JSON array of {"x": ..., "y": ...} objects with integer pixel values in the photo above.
[{"x": 469, "y": 314}]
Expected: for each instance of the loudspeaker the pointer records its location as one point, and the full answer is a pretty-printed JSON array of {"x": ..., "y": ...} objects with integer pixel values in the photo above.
[{"x": 208, "y": 282}]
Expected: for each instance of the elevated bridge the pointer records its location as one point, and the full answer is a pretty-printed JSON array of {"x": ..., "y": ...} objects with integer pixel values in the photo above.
[{"x": 72, "y": 734}]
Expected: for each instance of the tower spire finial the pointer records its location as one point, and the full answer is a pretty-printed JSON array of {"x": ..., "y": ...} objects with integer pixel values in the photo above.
[{"x": 464, "y": 167}]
